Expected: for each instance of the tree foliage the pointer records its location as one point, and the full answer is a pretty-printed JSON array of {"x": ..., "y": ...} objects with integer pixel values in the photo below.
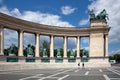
[
  {"x": 115, "y": 57},
  {"x": 45, "y": 45},
  {"x": 7, "y": 50}
]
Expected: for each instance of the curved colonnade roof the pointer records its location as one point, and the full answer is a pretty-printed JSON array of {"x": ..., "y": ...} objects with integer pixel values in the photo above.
[{"x": 31, "y": 27}]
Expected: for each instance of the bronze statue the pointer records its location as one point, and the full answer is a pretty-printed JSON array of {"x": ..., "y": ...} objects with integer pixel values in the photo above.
[
  {"x": 29, "y": 50},
  {"x": 58, "y": 53},
  {"x": 45, "y": 54},
  {"x": 101, "y": 16},
  {"x": 72, "y": 53},
  {"x": 12, "y": 50},
  {"x": 92, "y": 15}
]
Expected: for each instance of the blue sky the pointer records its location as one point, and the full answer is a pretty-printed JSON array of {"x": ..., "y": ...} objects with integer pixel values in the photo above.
[{"x": 63, "y": 13}]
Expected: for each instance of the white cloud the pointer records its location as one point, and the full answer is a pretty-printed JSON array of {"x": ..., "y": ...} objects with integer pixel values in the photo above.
[
  {"x": 113, "y": 9},
  {"x": 37, "y": 17},
  {"x": 83, "y": 22},
  {"x": 15, "y": 12},
  {"x": 86, "y": 48},
  {"x": 4, "y": 9},
  {"x": 29, "y": 39},
  {"x": 10, "y": 37},
  {"x": 66, "y": 10},
  {"x": 114, "y": 52},
  {"x": 42, "y": 18},
  {"x": 85, "y": 40}
]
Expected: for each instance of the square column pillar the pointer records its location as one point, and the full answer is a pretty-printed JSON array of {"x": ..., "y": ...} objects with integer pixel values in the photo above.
[
  {"x": 106, "y": 46},
  {"x": 78, "y": 47},
  {"x": 37, "y": 45},
  {"x": 65, "y": 46},
  {"x": 51, "y": 46},
  {"x": 1, "y": 40},
  {"x": 20, "y": 43}
]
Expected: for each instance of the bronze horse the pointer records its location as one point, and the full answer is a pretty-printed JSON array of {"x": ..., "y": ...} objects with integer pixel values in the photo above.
[{"x": 102, "y": 15}]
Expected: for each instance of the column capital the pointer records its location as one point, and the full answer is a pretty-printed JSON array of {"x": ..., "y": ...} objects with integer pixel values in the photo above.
[{"x": 20, "y": 30}]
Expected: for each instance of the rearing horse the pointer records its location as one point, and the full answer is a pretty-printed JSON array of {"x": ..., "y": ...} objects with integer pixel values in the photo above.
[{"x": 102, "y": 15}]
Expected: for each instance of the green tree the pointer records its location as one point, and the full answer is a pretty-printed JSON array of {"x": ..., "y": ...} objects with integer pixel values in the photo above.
[
  {"x": 46, "y": 45},
  {"x": 68, "y": 53},
  {"x": 111, "y": 58},
  {"x": 116, "y": 57},
  {"x": 55, "y": 52},
  {"x": 61, "y": 51},
  {"x": 81, "y": 53},
  {"x": 6, "y": 51}
]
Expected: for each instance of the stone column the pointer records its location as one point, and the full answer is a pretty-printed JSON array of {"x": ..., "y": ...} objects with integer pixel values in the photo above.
[
  {"x": 20, "y": 43},
  {"x": 78, "y": 47},
  {"x": 65, "y": 46},
  {"x": 51, "y": 46},
  {"x": 37, "y": 45},
  {"x": 106, "y": 46},
  {"x": 1, "y": 40}
]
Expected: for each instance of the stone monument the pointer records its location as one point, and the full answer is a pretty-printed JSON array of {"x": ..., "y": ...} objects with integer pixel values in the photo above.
[
  {"x": 58, "y": 53},
  {"x": 45, "y": 54},
  {"x": 29, "y": 51},
  {"x": 72, "y": 54},
  {"x": 12, "y": 50}
]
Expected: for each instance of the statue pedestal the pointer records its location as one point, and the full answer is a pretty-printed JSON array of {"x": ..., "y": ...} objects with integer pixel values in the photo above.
[
  {"x": 45, "y": 56},
  {"x": 29, "y": 55},
  {"x": 72, "y": 59},
  {"x": 11, "y": 54},
  {"x": 71, "y": 56},
  {"x": 58, "y": 56}
]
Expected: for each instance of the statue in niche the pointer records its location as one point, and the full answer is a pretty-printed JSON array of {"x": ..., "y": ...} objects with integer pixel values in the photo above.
[
  {"x": 72, "y": 54},
  {"x": 58, "y": 53},
  {"x": 29, "y": 51},
  {"x": 12, "y": 50},
  {"x": 45, "y": 54}
]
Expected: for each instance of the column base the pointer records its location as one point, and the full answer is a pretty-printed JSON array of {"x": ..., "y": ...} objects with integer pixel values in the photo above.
[
  {"x": 52, "y": 60},
  {"x": 65, "y": 60}
]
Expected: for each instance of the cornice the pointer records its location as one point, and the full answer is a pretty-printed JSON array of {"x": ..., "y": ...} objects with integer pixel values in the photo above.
[{"x": 27, "y": 26}]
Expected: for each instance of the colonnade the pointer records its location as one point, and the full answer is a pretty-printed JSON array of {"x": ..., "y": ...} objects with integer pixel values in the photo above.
[{"x": 37, "y": 37}]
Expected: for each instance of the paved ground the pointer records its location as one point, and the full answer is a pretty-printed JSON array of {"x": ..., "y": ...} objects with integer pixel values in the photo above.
[{"x": 112, "y": 73}]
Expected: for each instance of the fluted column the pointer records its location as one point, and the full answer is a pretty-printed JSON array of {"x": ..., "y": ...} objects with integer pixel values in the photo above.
[
  {"x": 65, "y": 46},
  {"x": 51, "y": 46},
  {"x": 37, "y": 45},
  {"x": 1, "y": 40},
  {"x": 78, "y": 46},
  {"x": 20, "y": 42},
  {"x": 106, "y": 45}
]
